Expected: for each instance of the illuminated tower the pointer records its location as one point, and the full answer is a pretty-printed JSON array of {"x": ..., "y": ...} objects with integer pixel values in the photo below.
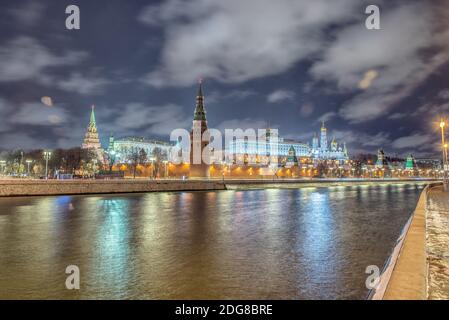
[
  {"x": 199, "y": 163},
  {"x": 381, "y": 161},
  {"x": 91, "y": 139},
  {"x": 323, "y": 142},
  {"x": 292, "y": 160},
  {"x": 410, "y": 163}
]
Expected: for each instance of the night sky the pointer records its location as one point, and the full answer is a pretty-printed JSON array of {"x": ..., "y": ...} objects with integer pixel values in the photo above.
[{"x": 288, "y": 64}]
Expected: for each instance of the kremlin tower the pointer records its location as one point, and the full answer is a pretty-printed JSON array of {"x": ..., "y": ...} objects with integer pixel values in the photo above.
[
  {"x": 323, "y": 138},
  {"x": 199, "y": 163},
  {"x": 91, "y": 139}
]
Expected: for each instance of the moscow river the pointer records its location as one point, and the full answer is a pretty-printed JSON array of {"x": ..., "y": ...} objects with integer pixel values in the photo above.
[{"x": 292, "y": 243}]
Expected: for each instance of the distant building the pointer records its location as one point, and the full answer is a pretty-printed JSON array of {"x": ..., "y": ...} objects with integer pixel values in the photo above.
[
  {"x": 410, "y": 163},
  {"x": 381, "y": 160},
  {"x": 125, "y": 147},
  {"x": 255, "y": 152},
  {"x": 428, "y": 163},
  {"x": 322, "y": 151}
]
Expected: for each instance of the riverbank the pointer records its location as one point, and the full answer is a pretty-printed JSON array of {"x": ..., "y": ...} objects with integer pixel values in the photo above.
[
  {"x": 9, "y": 188},
  {"x": 420, "y": 262},
  {"x": 31, "y": 187},
  {"x": 406, "y": 275}
]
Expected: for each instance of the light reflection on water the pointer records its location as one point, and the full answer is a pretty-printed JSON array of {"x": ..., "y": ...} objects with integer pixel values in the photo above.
[{"x": 249, "y": 244}]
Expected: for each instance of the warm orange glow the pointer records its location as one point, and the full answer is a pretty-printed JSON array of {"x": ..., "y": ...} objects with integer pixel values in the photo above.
[{"x": 442, "y": 124}]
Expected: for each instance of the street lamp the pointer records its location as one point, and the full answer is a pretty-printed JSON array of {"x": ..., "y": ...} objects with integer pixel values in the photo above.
[
  {"x": 47, "y": 156},
  {"x": 28, "y": 164},
  {"x": 112, "y": 154},
  {"x": 3, "y": 164},
  {"x": 442, "y": 125},
  {"x": 152, "y": 160},
  {"x": 165, "y": 168},
  {"x": 223, "y": 163}
]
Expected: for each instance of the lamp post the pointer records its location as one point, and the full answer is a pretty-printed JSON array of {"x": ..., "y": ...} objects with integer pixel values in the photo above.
[
  {"x": 28, "y": 164},
  {"x": 445, "y": 152},
  {"x": 442, "y": 125},
  {"x": 3, "y": 164},
  {"x": 47, "y": 155},
  {"x": 111, "y": 159},
  {"x": 223, "y": 163},
  {"x": 165, "y": 168},
  {"x": 152, "y": 159}
]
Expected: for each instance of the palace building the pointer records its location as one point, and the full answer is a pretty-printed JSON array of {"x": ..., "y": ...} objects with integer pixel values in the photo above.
[
  {"x": 254, "y": 152},
  {"x": 265, "y": 153},
  {"x": 124, "y": 148}
]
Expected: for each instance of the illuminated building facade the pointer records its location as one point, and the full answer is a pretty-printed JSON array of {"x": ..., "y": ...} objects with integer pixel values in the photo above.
[
  {"x": 254, "y": 152},
  {"x": 322, "y": 151},
  {"x": 267, "y": 152},
  {"x": 125, "y": 148}
]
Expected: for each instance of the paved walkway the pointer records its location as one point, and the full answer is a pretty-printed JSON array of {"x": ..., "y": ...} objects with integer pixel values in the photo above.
[
  {"x": 438, "y": 243},
  {"x": 409, "y": 278}
]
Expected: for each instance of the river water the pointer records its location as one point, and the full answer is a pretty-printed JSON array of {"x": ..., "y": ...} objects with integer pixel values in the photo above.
[{"x": 295, "y": 243}]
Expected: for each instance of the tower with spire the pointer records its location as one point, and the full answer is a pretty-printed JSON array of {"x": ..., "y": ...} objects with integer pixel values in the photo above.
[
  {"x": 91, "y": 139},
  {"x": 292, "y": 160},
  {"x": 199, "y": 140},
  {"x": 327, "y": 150},
  {"x": 323, "y": 138}
]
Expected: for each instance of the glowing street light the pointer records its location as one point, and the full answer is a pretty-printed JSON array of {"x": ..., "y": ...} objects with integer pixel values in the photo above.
[
  {"x": 165, "y": 168},
  {"x": 28, "y": 164},
  {"x": 2, "y": 165},
  {"x": 223, "y": 168},
  {"x": 47, "y": 156},
  {"x": 442, "y": 125}
]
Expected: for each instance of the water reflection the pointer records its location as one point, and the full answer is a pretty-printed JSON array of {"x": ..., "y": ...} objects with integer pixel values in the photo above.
[{"x": 272, "y": 243}]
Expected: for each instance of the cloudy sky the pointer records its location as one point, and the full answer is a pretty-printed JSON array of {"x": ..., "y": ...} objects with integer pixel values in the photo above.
[{"x": 286, "y": 63}]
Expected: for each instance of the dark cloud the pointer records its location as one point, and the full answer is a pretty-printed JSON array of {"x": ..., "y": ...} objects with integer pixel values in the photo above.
[{"x": 288, "y": 64}]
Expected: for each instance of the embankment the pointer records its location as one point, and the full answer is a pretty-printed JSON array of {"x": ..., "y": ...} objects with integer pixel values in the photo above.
[
  {"x": 405, "y": 274},
  {"x": 10, "y": 188}
]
